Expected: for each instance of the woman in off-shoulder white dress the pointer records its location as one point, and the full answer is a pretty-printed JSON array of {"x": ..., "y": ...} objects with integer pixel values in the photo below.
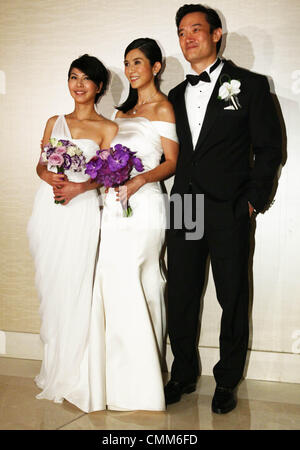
[{"x": 129, "y": 278}]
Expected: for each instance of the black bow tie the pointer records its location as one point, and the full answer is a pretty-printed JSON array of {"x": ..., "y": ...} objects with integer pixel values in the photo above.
[{"x": 194, "y": 79}]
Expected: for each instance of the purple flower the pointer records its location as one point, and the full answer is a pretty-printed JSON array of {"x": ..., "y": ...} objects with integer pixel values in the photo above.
[
  {"x": 107, "y": 180},
  {"x": 78, "y": 162},
  {"x": 65, "y": 143},
  {"x": 49, "y": 152},
  {"x": 119, "y": 147},
  {"x": 67, "y": 161},
  {"x": 93, "y": 166},
  {"x": 138, "y": 164},
  {"x": 118, "y": 160},
  {"x": 112, "y": 167}
]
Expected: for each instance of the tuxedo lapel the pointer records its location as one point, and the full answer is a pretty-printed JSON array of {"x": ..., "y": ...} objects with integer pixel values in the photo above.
[
  {"x": 182, "y": 118},
  {"x": 213, "y": 109}
]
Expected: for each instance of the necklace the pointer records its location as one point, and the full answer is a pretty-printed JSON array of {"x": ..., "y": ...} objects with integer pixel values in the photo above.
[{"x": 135, "y": 109}]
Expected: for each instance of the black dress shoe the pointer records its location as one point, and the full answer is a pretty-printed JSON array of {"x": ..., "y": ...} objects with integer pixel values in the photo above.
[
  {"x": 224, "y": 400},
  {"x": 175, "y": 389}
]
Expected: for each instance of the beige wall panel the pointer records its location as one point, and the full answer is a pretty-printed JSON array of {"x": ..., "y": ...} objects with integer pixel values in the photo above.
[{"x": 39, "y": 39}]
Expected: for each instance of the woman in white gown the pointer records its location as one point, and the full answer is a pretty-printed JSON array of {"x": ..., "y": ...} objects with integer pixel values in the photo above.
[
  {"x": 129, "y": 278},
  {"x": 63, "y": 240}
]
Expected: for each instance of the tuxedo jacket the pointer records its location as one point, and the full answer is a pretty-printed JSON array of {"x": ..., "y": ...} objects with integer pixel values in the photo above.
[{"x": 238, "y": 151}]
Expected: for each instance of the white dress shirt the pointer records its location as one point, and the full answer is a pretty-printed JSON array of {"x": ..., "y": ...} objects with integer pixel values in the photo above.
[{"x": 197, "y": 98}]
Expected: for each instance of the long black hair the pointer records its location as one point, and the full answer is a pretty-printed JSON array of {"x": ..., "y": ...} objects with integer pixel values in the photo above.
[
  {"x": 94, "y": 69},
  {"x": 153, "y": 53}
]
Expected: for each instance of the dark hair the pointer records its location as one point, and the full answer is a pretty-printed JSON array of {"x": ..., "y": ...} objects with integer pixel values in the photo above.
[
  {"x": 153, "y": 53},
  {"x": 212, "y": 17},
  {"x": 94, "y": 69}
]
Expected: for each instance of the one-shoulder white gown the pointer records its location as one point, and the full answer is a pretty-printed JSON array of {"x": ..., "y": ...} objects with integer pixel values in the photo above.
[
  {"x": 129, "y": 279},
  {"x": 63, "y": 241}
]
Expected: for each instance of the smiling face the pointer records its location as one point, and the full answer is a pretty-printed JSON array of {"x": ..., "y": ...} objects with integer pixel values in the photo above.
[
  {"x": 81, "y": 87},
  {"x": 197, "y": 43},
  {"x": 138, "y": 69}
]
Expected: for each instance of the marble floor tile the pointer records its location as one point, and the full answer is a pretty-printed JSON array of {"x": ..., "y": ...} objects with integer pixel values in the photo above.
[
  {"x": 261, "y": 405},
  {"x": 19, "y": 367},
  {"x": 20, "y": 410}
]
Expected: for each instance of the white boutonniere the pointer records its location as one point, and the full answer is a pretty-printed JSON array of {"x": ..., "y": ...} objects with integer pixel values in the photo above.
[{"x": 229, "y": 91}]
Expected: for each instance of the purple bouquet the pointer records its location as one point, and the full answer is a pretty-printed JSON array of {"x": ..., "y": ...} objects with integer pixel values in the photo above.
[
  {"x": 64, "y": 155},
  {"x": 112, "y": 168}
]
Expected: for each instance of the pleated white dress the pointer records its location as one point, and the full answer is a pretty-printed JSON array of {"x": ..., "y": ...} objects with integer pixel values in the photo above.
[
  {"x": 129, "y": 279},
  {"x": 63, "y": 241}
]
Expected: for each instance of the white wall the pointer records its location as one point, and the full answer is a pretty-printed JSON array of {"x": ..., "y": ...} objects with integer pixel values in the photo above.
[{"x": 39, "y": 39}]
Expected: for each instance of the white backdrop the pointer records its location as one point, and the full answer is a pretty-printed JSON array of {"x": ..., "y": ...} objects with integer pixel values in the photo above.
[{"x": 38, "y": 41}]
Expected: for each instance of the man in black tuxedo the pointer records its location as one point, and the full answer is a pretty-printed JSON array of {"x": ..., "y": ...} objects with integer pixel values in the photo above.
[{"x": 230, "y": 150}]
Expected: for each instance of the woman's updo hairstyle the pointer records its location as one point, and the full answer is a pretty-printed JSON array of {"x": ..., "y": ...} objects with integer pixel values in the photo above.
[
  {"x": 153, "y": 53},
  {"x": 94, "y": 69}
]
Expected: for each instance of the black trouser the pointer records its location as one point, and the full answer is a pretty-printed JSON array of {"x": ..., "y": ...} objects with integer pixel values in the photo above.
[{"x": 226, "y": 240}]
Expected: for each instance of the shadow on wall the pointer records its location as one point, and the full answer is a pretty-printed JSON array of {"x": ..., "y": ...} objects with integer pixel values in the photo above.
[
  {"x": 173, "y": 74},
  {"x": 113, "y": 96},
  {"x": 239, "y": 48},
  {"x": 117, "y": 86}
]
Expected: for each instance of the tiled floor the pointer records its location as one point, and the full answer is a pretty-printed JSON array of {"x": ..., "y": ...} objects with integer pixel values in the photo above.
[{"x": 262, "y": 406}]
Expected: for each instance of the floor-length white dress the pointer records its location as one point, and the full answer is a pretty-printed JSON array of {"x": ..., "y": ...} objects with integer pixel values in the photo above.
[
  {"x": 63, "y": 241},
  {"x": 129, "y": 279}
]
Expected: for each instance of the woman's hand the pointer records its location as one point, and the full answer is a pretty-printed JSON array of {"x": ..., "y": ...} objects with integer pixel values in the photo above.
[
  {"x": 129, "y": 188},
  {"x": 66, "y": 191},
  {"x": 54, "y": 179}
]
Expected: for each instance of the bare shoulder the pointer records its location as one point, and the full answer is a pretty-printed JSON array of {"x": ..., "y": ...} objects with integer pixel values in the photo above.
[
  {"x": 164, "y": 111},
  {"x": 51, "y": 121},
  {"x": 109, "y": 127},
  {"x": 48, "y": 128},
  {"x": 108, "y": 130}
]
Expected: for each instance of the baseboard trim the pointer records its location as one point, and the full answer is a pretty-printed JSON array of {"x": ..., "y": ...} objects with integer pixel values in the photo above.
[
  {"x": 261, "y": 365},
  {"x": 21, "y": 345}
]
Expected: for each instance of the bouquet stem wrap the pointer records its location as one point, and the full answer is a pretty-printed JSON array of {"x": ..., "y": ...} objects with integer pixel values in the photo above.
[{"x": 60, "y": 170}]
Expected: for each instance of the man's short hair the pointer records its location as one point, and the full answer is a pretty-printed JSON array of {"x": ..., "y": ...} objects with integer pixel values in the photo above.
[{"x": 212, "y": 17}]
